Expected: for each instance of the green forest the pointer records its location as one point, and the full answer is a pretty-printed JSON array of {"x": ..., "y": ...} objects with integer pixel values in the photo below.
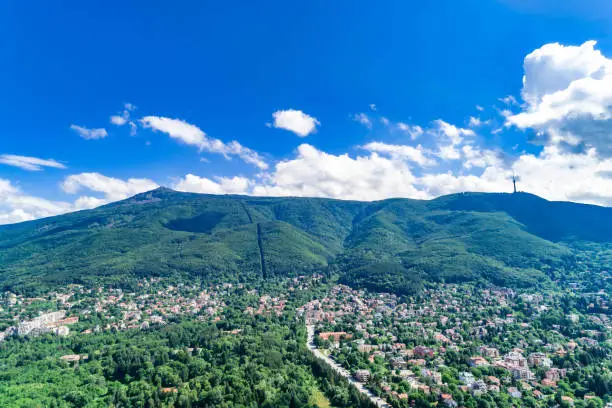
[{"x": 517, "y": 240}]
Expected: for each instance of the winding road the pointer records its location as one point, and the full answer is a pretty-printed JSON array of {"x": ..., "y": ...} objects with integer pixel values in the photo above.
[{"x": 342, "y": 371}]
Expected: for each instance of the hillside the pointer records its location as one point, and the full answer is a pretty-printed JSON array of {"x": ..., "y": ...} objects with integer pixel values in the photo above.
[{"x": 511, "y": 239}]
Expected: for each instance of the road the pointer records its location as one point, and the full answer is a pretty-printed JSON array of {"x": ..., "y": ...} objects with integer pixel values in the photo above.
[{"x": 379, "y": 402}]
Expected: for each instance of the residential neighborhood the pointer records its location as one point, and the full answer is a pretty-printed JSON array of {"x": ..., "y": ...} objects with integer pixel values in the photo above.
[{"x": 458, "y": 340}]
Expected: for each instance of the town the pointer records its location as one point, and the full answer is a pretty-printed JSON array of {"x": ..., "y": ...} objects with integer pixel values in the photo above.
[
  {"x": 453, "y": 344},
  {"x": 153, "y": 302},
  {"x": 456, "y": 342}
]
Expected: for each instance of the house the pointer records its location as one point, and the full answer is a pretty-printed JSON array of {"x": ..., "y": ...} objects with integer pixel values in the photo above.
[
  {"x": 539, "y": 360},
  {"x": 336, "y": 336},
  {"x": 478, "y": 361},
  {"x": 423, "y": 352},
  {"x": 398, "y": 363},
  {"x": 406, "y": 373},
  {"x": 493, "y": 387},
  {"x": 493, "y": 380},
  {"x": 467, "y": 378},
  {"x": 555, "y": 374},
  {"x": 447, "y": 399},
  {"x": 478, "y": 387},
  {"x": 514, "y": 392},
  {"x": 435, "y": 376},
  {"x": 491, "y": 352},
  {"x": 515, "y": 359},
  {"x": 74, "y": 357},
  {"x": 366, "y": 348},
  {"x": 521, "y": 373},
  {"x": 362, "y": 375}
]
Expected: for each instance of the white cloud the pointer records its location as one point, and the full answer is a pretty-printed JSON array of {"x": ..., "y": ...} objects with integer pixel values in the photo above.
[
  {"x": 314, "y": 173},
  {"x": 193, "y": 135},
  {"x": 475, "y": 157},
  {"x": 568, "y": 96},
  {"x": 479, "y": 108},
  {"x": 413, "y": 130},
  {"x": 384, "y": 121},
  {"x": 448, "y": 152},
  {"x": 113, "y": 188},
  {"x": 29, "y": 163},
  {"x": 124, "y": 118},
  {"x": 383, "y": 173},
  {"x": 373, "y": 107},
  {"x": 509, "y": 100},
  {"x": 295, "y": 121},
  {"x": 409, "y": 153},
  {"x": 91, "y": 134},
  {"x": 454, "y": 133},
  {"x": 118, "y": 120},
  {"x": 223, "y": 185},
  {"x": 133, "y": 128},
  {"x": 87, "y": 202},
  {"x": 476, "y": 122},
  {"x": 552, "y": 174},
  {"x": 449, "y": 139},
  {"x": 363, "y": 119},
  {"x": 16, "y": 206}
]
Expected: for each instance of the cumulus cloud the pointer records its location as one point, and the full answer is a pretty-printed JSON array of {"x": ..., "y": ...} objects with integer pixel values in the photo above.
[
  {"x": 118, "y": 120},
  {"x": 295, "y": 121},
  {"x": 554, "y": 174},
  {"x": 568, "y": 97},
  {"x": 363, "y": 119},
  {"x": 17, "y": 206},
  {"x": 454, "y": 133},
  {"x": 90, "y": 134},
  {"x": 413, "y": 131},
  {"x": 319, "y": 174},
  {"x": 194, "y": 136},
  {"x": 476, "y": 157},
  {"x": 112, "y": 188},
  {"x": 410, "y": 153},
  {"x": 222, "y": 185},
  {"x": 449, "y": 139},
  {"x": 29, "y": 163}
]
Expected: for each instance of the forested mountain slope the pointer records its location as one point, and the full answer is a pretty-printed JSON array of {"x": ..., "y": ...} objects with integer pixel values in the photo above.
[{"x": 511, "y": 239}]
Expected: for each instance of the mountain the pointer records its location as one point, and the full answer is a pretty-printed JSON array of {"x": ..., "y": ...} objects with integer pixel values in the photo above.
[{"x": 509, "y": 239}]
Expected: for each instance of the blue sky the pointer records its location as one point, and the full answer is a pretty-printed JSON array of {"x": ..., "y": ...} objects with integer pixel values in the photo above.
[{"x": 384, "y": 91}]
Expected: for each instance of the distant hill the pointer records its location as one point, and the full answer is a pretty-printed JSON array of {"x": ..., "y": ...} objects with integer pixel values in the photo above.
[{"x": 509, "y": 239}]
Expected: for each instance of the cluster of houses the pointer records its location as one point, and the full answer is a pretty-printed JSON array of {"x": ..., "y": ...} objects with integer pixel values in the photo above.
[
  {"x": 108, "y": 308},
  {"x": 410, "y": 340},
  {"x": 154, "y": 301},
  {"x": 53, "y": 322}
]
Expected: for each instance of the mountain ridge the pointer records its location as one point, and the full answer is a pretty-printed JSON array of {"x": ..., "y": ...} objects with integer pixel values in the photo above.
[{"x": 514, "y": 239}]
